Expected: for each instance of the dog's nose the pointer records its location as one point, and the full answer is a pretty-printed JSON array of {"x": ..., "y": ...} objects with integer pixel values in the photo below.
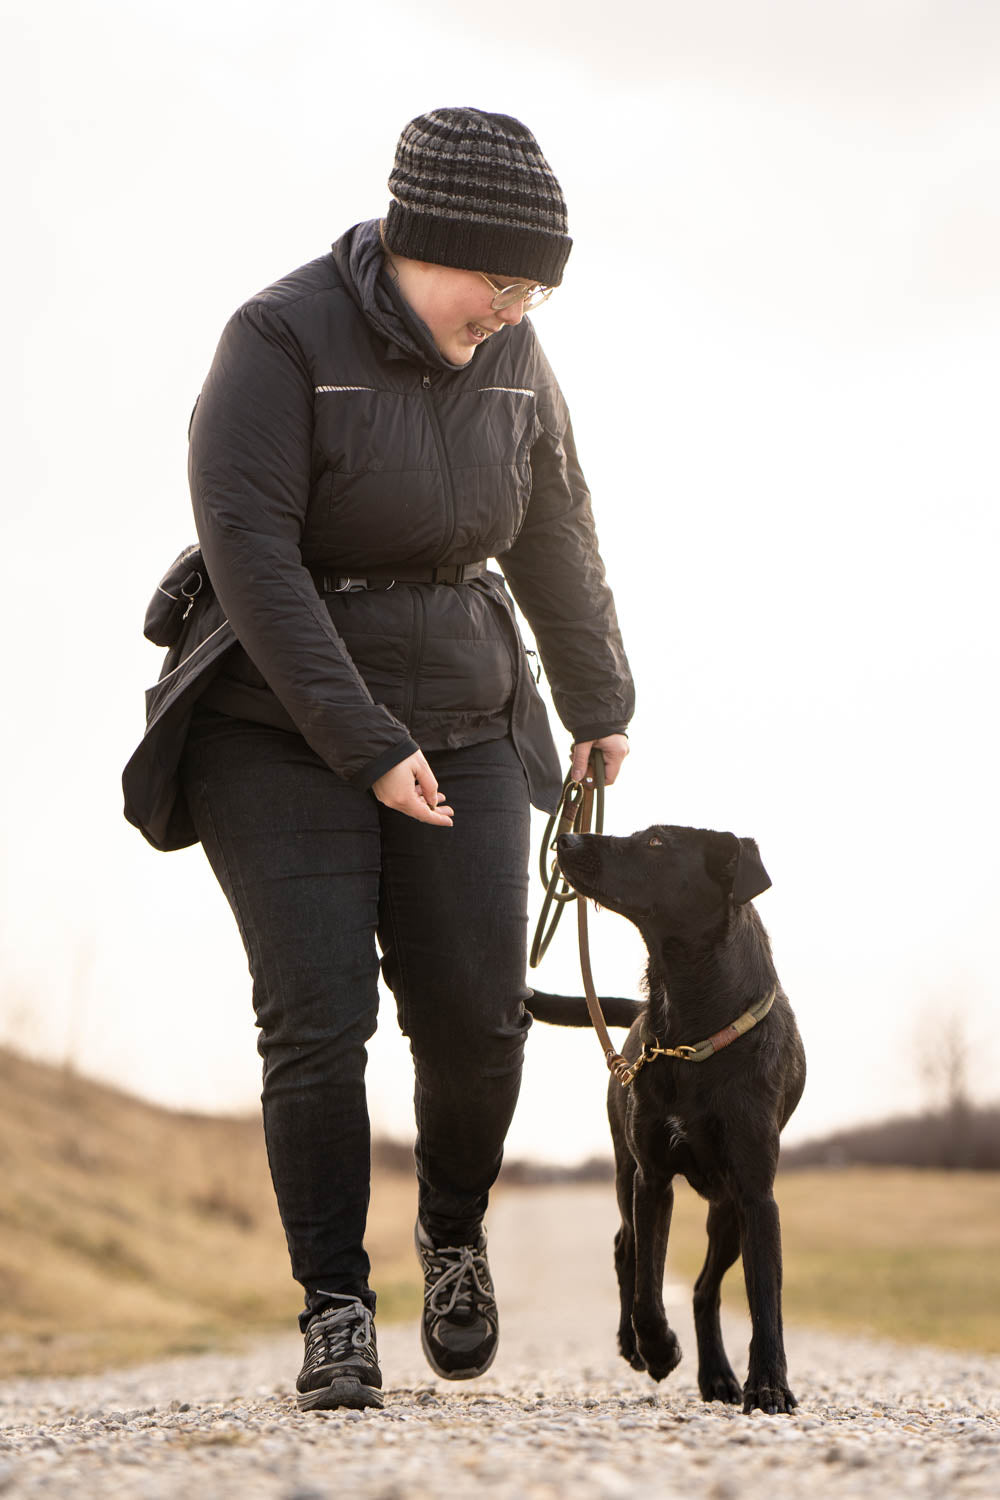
[{"x": 567, "y": 841}]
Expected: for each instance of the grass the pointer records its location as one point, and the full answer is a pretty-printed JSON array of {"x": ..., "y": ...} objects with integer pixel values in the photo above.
[
  {"x": 129, "y": 1232},
  {"x": 909, "y": 1254}
]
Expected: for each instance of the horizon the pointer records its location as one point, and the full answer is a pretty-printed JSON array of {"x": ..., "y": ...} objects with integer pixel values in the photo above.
[{"x": 389, "y": 1144}]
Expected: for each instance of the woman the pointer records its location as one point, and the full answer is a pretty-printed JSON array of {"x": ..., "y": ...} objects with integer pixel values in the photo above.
[{"x": 362, "y": 735}]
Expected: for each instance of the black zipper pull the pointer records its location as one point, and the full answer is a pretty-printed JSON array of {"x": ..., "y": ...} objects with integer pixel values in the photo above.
[{"x": 426, "y": 382}]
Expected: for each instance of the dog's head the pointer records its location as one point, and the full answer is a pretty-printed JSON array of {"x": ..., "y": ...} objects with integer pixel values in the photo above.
[{"x": 686, "y": 879}]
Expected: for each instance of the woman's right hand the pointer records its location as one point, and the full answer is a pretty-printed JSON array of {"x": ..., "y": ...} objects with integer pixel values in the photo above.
[{"x": 411, "y": 788}]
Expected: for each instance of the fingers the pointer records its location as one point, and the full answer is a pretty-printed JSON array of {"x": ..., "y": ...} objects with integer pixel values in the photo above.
[
  {"x": 613, "y": 762},
  {"x": 442, "y": 816},
  {"x": 614, "y": 748},
  {"x": 579, "y": 759},
  {"x": 430, "y": 805},
  {"x": 411, "y": 788}
]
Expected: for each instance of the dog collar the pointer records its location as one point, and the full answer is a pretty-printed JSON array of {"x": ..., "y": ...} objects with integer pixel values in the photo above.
[{"x": 701, "y": 1051}]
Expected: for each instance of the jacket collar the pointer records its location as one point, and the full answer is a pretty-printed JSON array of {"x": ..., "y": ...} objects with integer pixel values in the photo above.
[{"x": 361, "y": 262}]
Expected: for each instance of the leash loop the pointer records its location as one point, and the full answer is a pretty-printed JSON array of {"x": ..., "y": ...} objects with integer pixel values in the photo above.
[
  {"x": 582, "y": 803},
  {"x": 569, "y": 817}
]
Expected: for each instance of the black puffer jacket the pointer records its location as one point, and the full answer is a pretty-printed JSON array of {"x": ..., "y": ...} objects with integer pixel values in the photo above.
[{"x": 331, "y": 434}]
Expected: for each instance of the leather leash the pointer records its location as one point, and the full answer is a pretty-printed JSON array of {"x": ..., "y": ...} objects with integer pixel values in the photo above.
[{"x": 575, "y": 815}]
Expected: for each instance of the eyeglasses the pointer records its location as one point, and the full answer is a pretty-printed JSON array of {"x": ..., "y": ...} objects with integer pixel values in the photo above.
[{"x": 506, "y": 296}]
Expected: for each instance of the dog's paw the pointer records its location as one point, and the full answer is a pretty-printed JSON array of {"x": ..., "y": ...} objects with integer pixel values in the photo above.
[
  {"x": 720, "y": 1385},
  {"x": 660, "y": 1355},
  {"x": 627, "y": 1349},
  {"x": 773, "y": 1398}
]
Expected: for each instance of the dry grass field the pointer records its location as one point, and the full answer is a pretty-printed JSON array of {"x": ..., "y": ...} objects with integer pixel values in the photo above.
[
  {"x": 129, "y": 1232},
  {"x": 909, "y": 1254}
]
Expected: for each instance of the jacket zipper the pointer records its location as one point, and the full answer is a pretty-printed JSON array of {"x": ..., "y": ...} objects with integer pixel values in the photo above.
[
  {"x": 410, "y": 695},
  {"x": 449, "y": 492}
]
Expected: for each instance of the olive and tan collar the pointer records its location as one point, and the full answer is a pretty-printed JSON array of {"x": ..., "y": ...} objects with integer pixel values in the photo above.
[{"x": 700, "y": 1051}]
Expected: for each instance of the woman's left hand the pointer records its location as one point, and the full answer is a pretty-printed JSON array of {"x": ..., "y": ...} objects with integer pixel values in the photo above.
[{"x": 615, "y": 748}]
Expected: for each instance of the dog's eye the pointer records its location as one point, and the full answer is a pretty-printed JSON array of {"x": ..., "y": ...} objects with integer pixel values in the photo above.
[{"x": 655, "y": 843}]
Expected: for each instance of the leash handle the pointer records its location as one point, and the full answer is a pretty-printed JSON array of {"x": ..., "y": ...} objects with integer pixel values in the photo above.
[
  {"x": 568, "y": 818},
  {"x": 616, "y": 1063},
  {"x": 580, "y": 800}
]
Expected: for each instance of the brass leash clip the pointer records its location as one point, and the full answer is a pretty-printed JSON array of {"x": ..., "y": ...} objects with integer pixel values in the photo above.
[{"x": 627, "y": 1074}]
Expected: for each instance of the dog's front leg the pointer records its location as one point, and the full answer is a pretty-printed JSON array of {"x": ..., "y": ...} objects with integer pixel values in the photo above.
[
  {"x": 760, "y": 1235},
  {"x": 652, "y": 1205},
  {"x": 716, "y": 1377}
]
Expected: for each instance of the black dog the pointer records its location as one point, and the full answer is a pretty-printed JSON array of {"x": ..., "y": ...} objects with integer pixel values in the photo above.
[{"x": 716, "y": 1122}]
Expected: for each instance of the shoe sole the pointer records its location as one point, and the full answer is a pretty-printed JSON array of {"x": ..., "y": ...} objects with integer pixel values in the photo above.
[
  {"x": 347, "y": 1391},
  {"x": 454, "y": 1374}
]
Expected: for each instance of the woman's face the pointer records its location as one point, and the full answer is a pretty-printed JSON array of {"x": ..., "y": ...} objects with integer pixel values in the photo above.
[{"x": 455, "y": 305}]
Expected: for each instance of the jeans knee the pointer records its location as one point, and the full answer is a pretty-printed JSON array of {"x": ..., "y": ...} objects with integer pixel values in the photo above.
[
  {"x": 311, "y": 1003},
  {"x": 471, "y": 1044},
  {"x": 316, "y": 1033}
]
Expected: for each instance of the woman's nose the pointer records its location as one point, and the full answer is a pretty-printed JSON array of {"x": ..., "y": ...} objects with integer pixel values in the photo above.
[{"x": 512, "y": 314}]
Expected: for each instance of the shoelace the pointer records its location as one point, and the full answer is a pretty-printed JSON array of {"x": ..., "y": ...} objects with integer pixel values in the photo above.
[
  {"x": 461, "y": 1278},
  {"x": 338, "y": 1329}
]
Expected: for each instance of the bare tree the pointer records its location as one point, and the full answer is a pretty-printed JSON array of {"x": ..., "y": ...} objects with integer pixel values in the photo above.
[{"x": 944, "y": 1051}]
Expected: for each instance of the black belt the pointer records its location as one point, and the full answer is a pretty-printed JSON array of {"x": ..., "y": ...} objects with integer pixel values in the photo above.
[{"x": 384, "y": 578}]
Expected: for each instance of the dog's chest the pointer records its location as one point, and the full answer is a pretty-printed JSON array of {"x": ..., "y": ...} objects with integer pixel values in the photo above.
[{"x": 680, "y": 1141}]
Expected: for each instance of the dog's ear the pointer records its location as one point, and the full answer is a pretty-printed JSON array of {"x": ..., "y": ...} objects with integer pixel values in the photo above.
[
  {"x": 749, "y": 878},
  {"x": 736, "y": 865}
]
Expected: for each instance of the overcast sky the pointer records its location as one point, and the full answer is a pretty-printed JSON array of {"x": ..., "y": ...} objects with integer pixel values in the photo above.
[{"x": 778, "y": 336}]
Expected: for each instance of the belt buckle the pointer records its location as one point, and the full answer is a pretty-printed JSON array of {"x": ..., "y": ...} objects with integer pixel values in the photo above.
[{"x": 345, "y": 584}]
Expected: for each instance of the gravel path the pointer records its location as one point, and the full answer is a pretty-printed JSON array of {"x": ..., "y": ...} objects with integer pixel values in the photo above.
[{"x": 559, "y": 1413}]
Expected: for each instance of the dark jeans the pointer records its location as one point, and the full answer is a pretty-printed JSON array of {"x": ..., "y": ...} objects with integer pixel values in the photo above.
[{"x": 315, "y": 870}]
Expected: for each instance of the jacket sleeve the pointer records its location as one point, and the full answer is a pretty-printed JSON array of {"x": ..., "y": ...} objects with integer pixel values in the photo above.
[
  {"x": 250, "y": 462},
  {"x": 556, "y": 575}
]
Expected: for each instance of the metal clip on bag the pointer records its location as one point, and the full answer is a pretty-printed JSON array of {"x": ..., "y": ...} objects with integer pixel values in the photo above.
[{"x": 174, "y": 598}]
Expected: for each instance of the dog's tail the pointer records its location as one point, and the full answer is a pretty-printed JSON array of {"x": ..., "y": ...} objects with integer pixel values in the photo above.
[{"x": 571, "y": 1010}]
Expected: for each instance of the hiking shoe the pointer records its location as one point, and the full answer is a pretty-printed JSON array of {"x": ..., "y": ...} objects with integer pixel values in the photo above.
[
  {"x": 341, "y": 1363},
  {"x": 459, "y": 1330}
]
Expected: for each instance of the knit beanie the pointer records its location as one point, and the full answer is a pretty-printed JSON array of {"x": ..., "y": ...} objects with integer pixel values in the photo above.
[{"x": 473, "y": 190}]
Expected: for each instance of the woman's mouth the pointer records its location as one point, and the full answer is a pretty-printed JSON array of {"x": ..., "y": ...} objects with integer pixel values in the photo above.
[{"x": 478, "y": 333}]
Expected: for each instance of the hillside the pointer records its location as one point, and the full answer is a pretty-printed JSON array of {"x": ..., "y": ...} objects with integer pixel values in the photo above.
[
  {"x": 128, "y": 1232},
  {"x": 163, "y": 1221}
]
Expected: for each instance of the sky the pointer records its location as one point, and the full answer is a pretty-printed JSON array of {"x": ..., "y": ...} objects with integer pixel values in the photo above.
[{"x": 778, "y": 337}]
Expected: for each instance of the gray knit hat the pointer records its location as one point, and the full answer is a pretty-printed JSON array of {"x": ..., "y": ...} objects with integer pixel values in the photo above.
[{"x": 473, "y": 190}]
